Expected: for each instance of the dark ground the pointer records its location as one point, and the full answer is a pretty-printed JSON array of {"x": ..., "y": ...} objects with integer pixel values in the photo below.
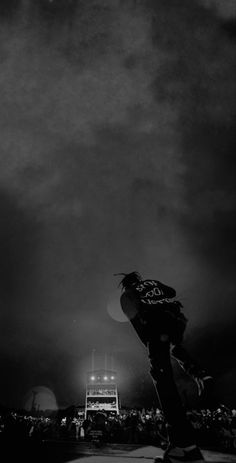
[{"x": 29, "y": 451}]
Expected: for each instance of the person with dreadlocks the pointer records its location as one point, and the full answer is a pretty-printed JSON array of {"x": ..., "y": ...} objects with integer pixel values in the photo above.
[{"x": 158, "y": 319}]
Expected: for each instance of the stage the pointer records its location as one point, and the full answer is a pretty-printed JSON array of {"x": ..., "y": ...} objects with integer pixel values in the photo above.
[
  {"x": 54, "y": 451},
  {"x": 119, "y": 453}
]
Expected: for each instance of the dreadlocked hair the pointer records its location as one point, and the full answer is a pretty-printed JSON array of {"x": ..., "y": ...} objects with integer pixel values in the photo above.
[{"x": 129, "y": 279}]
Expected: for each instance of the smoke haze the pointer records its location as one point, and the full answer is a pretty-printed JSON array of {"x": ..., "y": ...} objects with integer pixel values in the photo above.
[{"x": 117, "y": 154}]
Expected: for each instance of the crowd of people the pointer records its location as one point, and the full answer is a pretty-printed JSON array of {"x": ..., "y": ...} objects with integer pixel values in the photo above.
[{"x": 214, "y": 429}]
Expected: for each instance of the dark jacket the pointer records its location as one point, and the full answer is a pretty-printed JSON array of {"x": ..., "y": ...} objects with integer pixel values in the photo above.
[{"x": 150, "y": 307}]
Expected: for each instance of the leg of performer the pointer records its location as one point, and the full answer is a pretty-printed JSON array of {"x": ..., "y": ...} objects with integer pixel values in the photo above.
[
  {"x": 181, "y": 433},
  {"x": 200, "y": 375}
]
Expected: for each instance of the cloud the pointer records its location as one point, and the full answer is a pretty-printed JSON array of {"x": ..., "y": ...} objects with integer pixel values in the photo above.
[{"x": 225, "y": 8}]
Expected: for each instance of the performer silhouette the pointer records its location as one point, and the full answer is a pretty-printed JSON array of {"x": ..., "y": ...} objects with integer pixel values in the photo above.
[{"x": 160, "y": 324}]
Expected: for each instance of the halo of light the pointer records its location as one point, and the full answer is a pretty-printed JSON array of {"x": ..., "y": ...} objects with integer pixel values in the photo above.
[
  {"x": 114, "y": 309},
  {"x": 40, "y": 398}
]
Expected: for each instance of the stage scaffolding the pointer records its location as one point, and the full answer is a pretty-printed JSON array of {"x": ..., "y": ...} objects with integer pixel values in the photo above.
[{"x": 101, "y": 392}]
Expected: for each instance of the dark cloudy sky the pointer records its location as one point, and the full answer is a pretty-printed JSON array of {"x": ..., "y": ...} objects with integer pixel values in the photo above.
[{"x": 117, "y": 153}]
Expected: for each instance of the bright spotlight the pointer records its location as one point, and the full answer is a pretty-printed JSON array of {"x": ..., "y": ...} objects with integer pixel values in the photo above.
[
  {"x": 92, "y": 378},
  {"x": 112, "y": 377},
  {"x": 105, "y": 378}
]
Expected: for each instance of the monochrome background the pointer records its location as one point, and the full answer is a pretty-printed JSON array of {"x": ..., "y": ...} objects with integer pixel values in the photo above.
[{"x": 117, "y": 153}]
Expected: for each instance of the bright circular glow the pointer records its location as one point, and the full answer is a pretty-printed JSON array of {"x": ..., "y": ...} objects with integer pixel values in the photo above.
[
  {"x": 92, "y": 378},
  {"x": 40, "y": 398},
  {"x": 112, "y": 377},
  {"x": 114, "y": 308},
  {"x": 105, "y": 378}
]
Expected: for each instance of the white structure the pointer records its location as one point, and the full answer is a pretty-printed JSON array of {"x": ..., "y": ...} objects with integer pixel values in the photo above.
[{"x": 101, "y": 392}]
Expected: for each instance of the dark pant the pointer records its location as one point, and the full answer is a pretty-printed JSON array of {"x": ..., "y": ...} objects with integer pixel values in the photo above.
[
  {"x": 180, "y": 430},
  {"x": 189, "y": 365}
]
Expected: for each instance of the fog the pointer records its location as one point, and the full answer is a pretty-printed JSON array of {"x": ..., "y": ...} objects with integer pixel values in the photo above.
[{"x": 117, "y": 154}]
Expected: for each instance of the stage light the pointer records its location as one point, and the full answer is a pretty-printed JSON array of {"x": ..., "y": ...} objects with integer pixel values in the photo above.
[
  {"x": 105, "y": 378},
  {"x": 92, "y": 378},
  {"x": 112, "y": 377}
]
